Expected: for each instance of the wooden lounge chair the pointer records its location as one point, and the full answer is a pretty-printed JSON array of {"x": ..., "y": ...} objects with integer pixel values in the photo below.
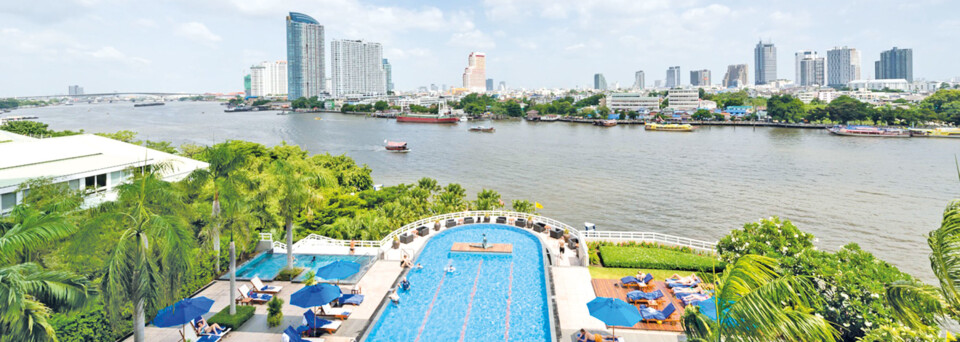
[
  {"x": 639, "y": 297},
  {"x": 258, "y": 286},
  {"x": 651, "y": 315},
  {"x": 631, "y": 281},
  {"x": 256, "y": 298},
  {"x": 338, "y": 313}
]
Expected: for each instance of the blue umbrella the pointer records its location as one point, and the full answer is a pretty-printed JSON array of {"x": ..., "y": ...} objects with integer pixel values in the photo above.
[
  {"x": 614, "y": 312},
  {"x": 315, "y": 295},
  {"x": 182, "y": 312},
  {"x": 338, "y": 270}
]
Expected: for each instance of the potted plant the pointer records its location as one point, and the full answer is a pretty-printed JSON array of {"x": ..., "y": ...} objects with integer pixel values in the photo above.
[
  {"x": 396, "y": 242},
  {"x": 436, "y": 225},
  {"x": 274, "y": 311},
  {"x": 486, "y": 218},
  {"x": 566, "y": 235}
]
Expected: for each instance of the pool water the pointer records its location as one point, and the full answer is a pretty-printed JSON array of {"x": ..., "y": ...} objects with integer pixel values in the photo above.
[
  {"x": 268, "y": 265},
  {"x": 489, "y": 297}
]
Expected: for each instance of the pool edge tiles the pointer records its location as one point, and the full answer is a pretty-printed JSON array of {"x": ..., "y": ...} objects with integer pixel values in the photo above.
[{"x": 489, "y": 296}]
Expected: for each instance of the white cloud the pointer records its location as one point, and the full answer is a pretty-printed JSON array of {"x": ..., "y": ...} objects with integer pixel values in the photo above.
[
  {"x": 474, "y": 39},
  {"x": 575, "y": 47},
  {"x": 197, "y": 32}
]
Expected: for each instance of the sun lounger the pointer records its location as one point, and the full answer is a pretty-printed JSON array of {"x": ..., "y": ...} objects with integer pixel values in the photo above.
[
  {"x": 350, "y": 299},
  {"x": 600, "y": 338},
  {"x": 637, "y": 296},
  {"x": 339, "y": 313},
  {"x": 679, "y": 284},
  {"x": 193, "y": 335},
  {"x": 292, "y": 335},
  {"x": 691, "y": 298},
  {"x": 257, "y": 298},
  {"x": 219, "y": 332},
  {"x": 258, "y": 286},
  {"x": 312, "y": 321},
  {"x": 631, "y": 281},
  {"x": 651, "y": 315}
]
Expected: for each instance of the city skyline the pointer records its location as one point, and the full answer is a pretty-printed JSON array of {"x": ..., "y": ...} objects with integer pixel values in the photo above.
[{"x": 207, "y": 46}]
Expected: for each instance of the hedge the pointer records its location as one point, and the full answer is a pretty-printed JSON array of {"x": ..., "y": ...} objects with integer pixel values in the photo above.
[
  {"x": 657, "y": 258},
  {"x": 223, "y": 318}
]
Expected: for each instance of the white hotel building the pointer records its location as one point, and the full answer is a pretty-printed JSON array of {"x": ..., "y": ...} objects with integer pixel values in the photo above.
[
  {"x": 269, "y": 79},
  {"x": 631, "y": 101},
  {"x": 357, "y": 68}
]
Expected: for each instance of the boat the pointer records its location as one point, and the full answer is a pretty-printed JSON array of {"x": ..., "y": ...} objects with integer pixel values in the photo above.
[
  {"x": 939, "y": 132},
  {"x": 670, "y": 127},
  {"x": 7, "y": 119},
  {"x": 551, "y": 117},
  {"x": 605, "y": 123},
  {"x": 148, "y": 104},
  {"x": 868, "y": 131},
  {"x": 396, "y": 146},
  {"x": 443, "y": 116},
  {"x": 482, "y": 129}
]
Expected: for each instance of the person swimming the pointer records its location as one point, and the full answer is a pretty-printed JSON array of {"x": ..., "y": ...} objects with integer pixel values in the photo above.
[{"x": 405, "y": 284}]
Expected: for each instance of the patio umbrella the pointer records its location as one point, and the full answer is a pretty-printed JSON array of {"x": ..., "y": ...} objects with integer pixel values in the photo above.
[
  {"x": 182, "y": 312},
  {"x": 315, "y": 295},
  {"x": 614, "y": 312},
  {"x": 338, "y": 270}
]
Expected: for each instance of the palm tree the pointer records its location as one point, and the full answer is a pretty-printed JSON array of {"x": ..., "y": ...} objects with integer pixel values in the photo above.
[
  {"x": 238, "y": 220},
  {"x": 153, "y": 251},
  {"x": 916, "y": 304},
  {"x": 757, "y": 302},
  {"x": 522, "y": 206},
  {"x": 28, "y": 293},
  {"x": 222, "y": 174},
  {"x": 487, "y": 200},
  {"x": 293, "y": 195}
]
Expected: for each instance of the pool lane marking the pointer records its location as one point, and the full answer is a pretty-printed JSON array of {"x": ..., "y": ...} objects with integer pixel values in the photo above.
[
  {"x": 430, "y": 308},
  {"x": 463, "y": 331},
  {"x": 506, "y": 336}
]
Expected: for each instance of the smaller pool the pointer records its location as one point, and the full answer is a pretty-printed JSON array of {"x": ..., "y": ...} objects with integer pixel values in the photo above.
[{"x": 267, "y": 266}]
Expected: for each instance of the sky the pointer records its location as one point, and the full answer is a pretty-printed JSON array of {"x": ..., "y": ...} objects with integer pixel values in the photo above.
[{"x": 208, "y": 45}]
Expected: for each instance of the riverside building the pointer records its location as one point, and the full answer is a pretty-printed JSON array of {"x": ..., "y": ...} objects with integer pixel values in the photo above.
[
  {"x": 765, "y": 61},
  {"x": 683, "y": 99},
  {"x": 305, "y": 57},
  {"x": 357, "y": 68},
  {"x": 269, "y": 79},
  {"x": 673, "y": 77},
  {"x": 843, "y": 66},
  {"x": 895, "y": 64},
  {"x": 475, "y": 74},
  {"x": 631, "y": 101},
  {"x": 736, "y": 76}
]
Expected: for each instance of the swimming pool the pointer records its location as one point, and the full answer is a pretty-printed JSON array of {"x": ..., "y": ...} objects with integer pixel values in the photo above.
[
  {"x": 489, "y": 297},
  {"x": 267, "y": 265}
]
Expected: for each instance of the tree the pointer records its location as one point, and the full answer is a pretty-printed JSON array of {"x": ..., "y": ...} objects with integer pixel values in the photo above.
[
  {"x": 522, "y": 206},
  {"x": 488, "y": 200},
  {"x": 755, "y": 301},
  {"x": 381, "y": 105},
  {"x": 223, "y": 175},
  {"x": 293, "y": 195},
  {"x": 148, "y": 262},
  {"x": 845, "y": 109},
  {"x": 665, "y": 103},
  {"x": 701, "y": 114},
  {"x": 603, "y": 110},
  {"x": 28, "y": 292},
  {"x": 785, "y": 108}
]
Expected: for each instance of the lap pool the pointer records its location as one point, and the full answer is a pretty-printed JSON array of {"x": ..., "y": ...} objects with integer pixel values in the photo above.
[
  {"x": 268, "y": 265},
  {"x": 489, "y": 297}
]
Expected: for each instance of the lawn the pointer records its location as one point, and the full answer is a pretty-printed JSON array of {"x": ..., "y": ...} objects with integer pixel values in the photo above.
[
  {"x": 598, "y": 272},
  {"x": 657, "y": 258}
]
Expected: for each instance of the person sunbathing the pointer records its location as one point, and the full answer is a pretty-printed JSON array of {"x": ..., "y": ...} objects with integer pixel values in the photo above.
[
  {"x": 582, "y": 336},
  {"x": 696, "y": 289},
  {"x": 207, "y": 328},
  {"x": 688, "y": 280}
]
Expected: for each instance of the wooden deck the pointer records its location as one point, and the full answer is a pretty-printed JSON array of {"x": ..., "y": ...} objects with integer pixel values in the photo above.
[
  {"x": 607, "y": 288},
  {"x": 495, "y": 248}
]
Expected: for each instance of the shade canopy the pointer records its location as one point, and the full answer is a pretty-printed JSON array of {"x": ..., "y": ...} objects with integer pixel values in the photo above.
[
  {"x": 614, "y": 312},
  {"x": 338, "y": 269},
  {"x": 182, "y": 312},
  {"x": 315, "y": 295}
]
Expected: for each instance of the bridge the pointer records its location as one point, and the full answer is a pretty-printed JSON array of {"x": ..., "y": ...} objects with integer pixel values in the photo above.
[{"x": 144, "y": 93}]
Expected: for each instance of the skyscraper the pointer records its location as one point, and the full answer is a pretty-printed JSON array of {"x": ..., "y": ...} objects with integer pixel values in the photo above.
[
  {"x": 305, "y": 53},
  {"x": 75, "y": 90},
  {"x": 388, "y": 72},
  {"x": 357, "y": 68},
  {"x": 503, "y": 86},
  {"x": 475, "y": 74},
  {"x": 895, "y": 64},
  {"x": 269, "y": 79},
  {"x": 799, "y": 56},
  {"x": 673, "y": 77},
  {"x": 811, "y": 71},
  {"x": 736, "y": 76},
  {"x": 700, "y": 77},
  {"x": 489, "y": 84},
  {"x": 599, "y": 82},
  {"x": 843, "y": 66},
  {"x": 246, "y": 85},
  {"x": 765, "y": 61},
  {"x": 638, "y": 82}
]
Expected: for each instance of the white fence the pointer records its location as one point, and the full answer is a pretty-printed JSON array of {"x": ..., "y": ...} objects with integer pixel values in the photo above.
[{"x": 648, "y": 237}]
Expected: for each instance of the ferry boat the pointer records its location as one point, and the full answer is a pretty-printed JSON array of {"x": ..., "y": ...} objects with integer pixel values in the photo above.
[
  {"x": 396, "y": 146},
  {"x": 868, "y": 131},
  {"x": 605, "y": 123},
  {"x": 939, "y": 132},
  {"x": 7, "y": 119},
  {"x": 668, "y": 127},
  {"x": 482, "y": 129},
  {"x": 443, "y": 116},
  {"x": 148, "y": 104},
  {"x": 551, "y": 117}
]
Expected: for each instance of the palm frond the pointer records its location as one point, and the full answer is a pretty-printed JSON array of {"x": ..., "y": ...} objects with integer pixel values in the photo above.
[
  {"x": 908, "y": 299},
  {"x": 944, "y": 245},
  {"x": 698, "y": 326}
]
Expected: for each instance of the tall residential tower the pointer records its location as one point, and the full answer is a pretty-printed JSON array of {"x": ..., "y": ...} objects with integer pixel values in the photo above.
[
  {"x": 638, "y": 80},
  {"x": 305, "y": 63},
  {"x": 843, "y": 66},
  {"x": 700, "y": 77},
  {"x": 736, "y": 76},
  {"x": 673, "y": 77},
  {"x": 357, "y": 68},
  {"x": 388, "y": 71},
  {"x": 475, "y": 74},
  {"x": 895, "y": 64},
  {"x": 599, "y": 82}
]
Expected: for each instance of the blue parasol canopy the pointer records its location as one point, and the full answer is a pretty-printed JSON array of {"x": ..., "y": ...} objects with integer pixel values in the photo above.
[{"x": 182, "y": 312}]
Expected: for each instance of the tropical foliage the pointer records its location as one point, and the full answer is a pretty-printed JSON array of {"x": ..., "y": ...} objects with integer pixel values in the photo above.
[
  {"x": 771, "y": 237},
  {"x": 657, "y": 258}
]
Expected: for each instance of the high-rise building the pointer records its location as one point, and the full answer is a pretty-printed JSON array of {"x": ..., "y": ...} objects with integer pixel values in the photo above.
[
  {"x": 811, "y": 71},
  {"x": 895, "y": 64},
  {"x": 700, "y": 77},
  {"x": 246, "y": 85},
  {"x": 638, "y": 81},
  {"x": 475, "y": 74},
  {"x": 736, "y": 76},
  {"x": 305, "y": 57},
  {"x": 388, "y": 72},
  {"x": 503, "y": 86},
  {"x": 268, "y": 79},
  {"x": 657, "y": 83},
  {"x": 433, "y": 87},
  {"x": 489, "y": 84},
  {"x": 357, "y": 68},
  {"x": 799, "y": 56},
  {"x": 599, "y": 82},
  {"x": 765, "y": 61},
  {"x": 75, "y": 90},
  {"x": 673, "y": 77},
  {"x": 843, "y": 66}
]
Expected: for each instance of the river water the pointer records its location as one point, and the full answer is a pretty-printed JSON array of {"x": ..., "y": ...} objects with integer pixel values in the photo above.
[{"x": 884, "y": 194}]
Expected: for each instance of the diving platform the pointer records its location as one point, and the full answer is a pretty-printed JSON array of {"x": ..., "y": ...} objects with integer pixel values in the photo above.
[{"x": 474, "y": 247}]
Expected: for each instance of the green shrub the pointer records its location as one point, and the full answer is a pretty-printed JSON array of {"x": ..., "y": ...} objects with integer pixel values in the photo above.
[
  {"x": 768, "y": 237},
  {"x": 90, "y": 324},
  {"x": 224, "y": 319},
  {"x": 287, "y": 274},
  {"x": 657, "y": 258},
  {"x": 274, "y": 313}
]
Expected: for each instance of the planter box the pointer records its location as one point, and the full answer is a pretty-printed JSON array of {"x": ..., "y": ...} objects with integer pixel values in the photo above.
[
  {"x": 468, "y": 220},
  {"x": 406, "y": 238},
  {"x": 501, "y": 220},
  {"x": 423, "y": 231},
  {"x": 520, "y": 223},
  {"x": 556, "y": 233},
  {"x": 451, "y": 223}
]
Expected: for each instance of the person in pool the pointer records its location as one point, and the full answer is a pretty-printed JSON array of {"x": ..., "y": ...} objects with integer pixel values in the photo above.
[{"x": 405, "y": 284}]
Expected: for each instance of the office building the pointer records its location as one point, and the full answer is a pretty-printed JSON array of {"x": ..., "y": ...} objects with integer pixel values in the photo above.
[
  {"x": 503, "y": 86},
  {"x": 305, "y": 57},
  {"x": 765, "y": 62},
  {"x": 246, "y": 85},
  {"x": 843, "y": 66},
  {"x": 75, "y": 90},
  {"x": 631, "y": 101},
  {"x": 489, "y": 84},
  {"x": 700, "y": 78},
  {"x": 388, "y": 72},
  {"x": 638, "y": 81},
  {"x": 269, "y": 79},
  {"x": 895, "y": 84},
  {"x": 683, "y": 99},
  {"x": 736, "y": 76},
  {"x": 475, "y": 74},
  {"x": 895, "y": 64},
  {"x": 811, "y": 71},
  {"x": 673, "y": 77},
  {"x": 599, "y": 82},
  {"x": 799, "y": 56},
  {"x": 357, "y": 68}
]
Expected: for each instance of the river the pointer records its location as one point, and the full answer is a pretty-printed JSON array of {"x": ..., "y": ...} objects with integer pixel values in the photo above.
[{"x": 884, "y": 194}]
